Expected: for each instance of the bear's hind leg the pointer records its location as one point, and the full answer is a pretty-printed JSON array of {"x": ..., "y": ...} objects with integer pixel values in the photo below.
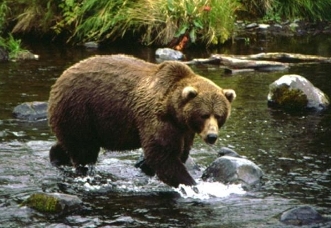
[
  {"x": 58, "y": 155},
  {"x": 82, "y": 156}
]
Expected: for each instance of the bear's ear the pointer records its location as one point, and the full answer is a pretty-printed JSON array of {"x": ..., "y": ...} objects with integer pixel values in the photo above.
[
  {"x": 189, "y": 92},
  {"x": 230, "y": 94}
]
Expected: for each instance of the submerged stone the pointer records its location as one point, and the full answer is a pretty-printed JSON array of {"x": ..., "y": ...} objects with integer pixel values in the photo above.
[
  {"x": 302, "y": 215},
  {"x": 31, "y": 111},
  {"x": 297, "y": 93},
  {"x": 52, "y": 202}
]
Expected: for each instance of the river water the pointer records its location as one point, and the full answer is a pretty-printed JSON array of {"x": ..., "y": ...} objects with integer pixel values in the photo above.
[{"x": 293, "y": 150}]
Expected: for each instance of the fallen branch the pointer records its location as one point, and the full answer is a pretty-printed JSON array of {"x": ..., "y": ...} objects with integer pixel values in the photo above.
[
  {"x": 286, "y": 57},
  {"x": 271, "y": 61}
]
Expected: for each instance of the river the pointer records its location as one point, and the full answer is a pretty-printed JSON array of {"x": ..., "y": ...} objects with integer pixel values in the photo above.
[{"x": 293, "y": 150}]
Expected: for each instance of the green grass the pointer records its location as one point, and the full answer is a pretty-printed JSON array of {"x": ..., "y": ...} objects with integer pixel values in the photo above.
[
  {"x": 152, "y": 22},
  {"x": 313, "y": 10},
  {"x": 12, "y": 46}
]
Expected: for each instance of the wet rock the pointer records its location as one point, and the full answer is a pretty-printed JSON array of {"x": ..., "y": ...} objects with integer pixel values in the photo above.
[
  {"x": 251, "y": 25},
  {"x": 31, "y": 111},
  {"x": 263, "y": 26},
  {"x": 302, "y": 215},
  {"x": 227, "y": 169},
  {"x": 91, "y": 45},
  {"x": 294, "y": 25},
  {"x": 53, "y": 202},
  {"x": 25, "y": 55},
  {"x": 295, "y": 92},
  {"x": 225, "y": 151},
  {"x": 162, "y": 54}
]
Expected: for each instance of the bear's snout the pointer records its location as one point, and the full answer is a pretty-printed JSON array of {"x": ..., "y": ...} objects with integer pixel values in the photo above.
[
  {"x": 211, "y": 138},
  {"x": 210, "y": 131}
]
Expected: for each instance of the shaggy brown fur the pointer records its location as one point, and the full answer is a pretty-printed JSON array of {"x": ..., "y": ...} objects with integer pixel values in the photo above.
[{"x": 122, "y": 103}]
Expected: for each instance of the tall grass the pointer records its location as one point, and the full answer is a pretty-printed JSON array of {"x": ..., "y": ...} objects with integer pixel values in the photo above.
[
  {"x": 32, "y": 15},
  {"x": 4, "y": 10},
  {"x": 159, "y": 21},
  {"x": 9, "y": 44},
  {"x": 204, "y": 21},
  {"x": 153, "y": 21},
  {"x": 313, "y": 10},
  {"x": 12, "y": 46}
]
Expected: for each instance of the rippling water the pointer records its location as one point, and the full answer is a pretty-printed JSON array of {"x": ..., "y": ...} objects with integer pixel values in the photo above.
[{"x": 293, "y": 150}]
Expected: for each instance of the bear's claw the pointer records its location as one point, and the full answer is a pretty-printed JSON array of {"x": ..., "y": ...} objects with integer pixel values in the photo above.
[{"x": 141, "y": 163}]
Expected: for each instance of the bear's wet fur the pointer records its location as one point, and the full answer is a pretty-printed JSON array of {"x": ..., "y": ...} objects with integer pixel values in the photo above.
[{"x": 119, "y": 102}]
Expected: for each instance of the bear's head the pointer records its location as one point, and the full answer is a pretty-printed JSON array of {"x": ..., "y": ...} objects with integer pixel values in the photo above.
[{"x": 206, "y": 108}]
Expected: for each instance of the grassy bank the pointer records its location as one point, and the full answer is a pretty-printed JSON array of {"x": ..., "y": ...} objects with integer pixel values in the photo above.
[{"x": 159, "y": 22}]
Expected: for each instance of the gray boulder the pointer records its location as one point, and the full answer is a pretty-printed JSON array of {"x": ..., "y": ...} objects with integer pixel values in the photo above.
[
  {"x": 228, "y": 169},
  {"x": 31, "y": 111},
  {"x": 297, "y": 93},
  {"x": 163, "y": 54},
  {"x": 225, "y": 151},
  {"x": 302, "y": 215}
]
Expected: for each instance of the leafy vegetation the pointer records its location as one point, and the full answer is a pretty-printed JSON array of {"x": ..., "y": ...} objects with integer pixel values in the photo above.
[
  {"x": 12, "y": 46},
  {"x": 159, "y": 21},
  {"x": 9, "y": 45},
  {"x": 313, "y": 10},
  {"x": 153, "y": 21}
]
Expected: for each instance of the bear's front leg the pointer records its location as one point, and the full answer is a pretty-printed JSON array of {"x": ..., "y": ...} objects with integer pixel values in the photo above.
[
  {"x": 173, "y": 172},
  {"x": 167, "y": 164},
  {"x": 163, "y": 146}
]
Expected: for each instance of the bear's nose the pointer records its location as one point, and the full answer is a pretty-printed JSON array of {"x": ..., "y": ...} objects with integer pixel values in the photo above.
[{"x": 211, "y": 138}]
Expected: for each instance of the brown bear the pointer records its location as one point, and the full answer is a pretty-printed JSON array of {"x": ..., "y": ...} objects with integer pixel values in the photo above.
[{"x": 119, "y": 102}]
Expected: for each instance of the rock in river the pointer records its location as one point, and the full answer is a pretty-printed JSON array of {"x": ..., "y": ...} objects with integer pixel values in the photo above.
[
  {"x": 31, "y": 111},
  {"x": 53, "y": 202},
  {"x": 296, "y": 93},
  {"x": 163, "y": 54},
  {"x": 302, "y": 215},
  {"x": 229, "y": 169}
]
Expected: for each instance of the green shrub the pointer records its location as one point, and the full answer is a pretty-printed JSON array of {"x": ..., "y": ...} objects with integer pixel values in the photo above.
[
  {"x": 158, "y": 21},
  {"x": 4, "y": 10},
  {"x": 12, "y": 46},
  {"x": 312, "y": 10}
]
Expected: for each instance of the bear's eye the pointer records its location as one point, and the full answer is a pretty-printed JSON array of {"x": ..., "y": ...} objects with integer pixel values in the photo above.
[
  {"x": 217, "y": 117},
  {"x": 206, "y": 116}
]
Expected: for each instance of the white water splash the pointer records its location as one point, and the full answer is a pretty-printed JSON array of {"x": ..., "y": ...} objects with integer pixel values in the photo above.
[
  {"x": 203, "y": 190},
  {"x": 207, "y": 190}
]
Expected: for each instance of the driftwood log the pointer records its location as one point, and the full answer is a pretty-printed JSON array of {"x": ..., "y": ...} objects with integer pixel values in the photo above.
[{"x": 271, "y": 61}]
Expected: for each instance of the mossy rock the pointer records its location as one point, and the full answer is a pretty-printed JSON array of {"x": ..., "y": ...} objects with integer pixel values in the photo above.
[
  {"x": 289, "y": 98},
  {"x": 52, "y": 202},
  {"x": 294, "y": 92},
  {"x": 24, "y": 55}
]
